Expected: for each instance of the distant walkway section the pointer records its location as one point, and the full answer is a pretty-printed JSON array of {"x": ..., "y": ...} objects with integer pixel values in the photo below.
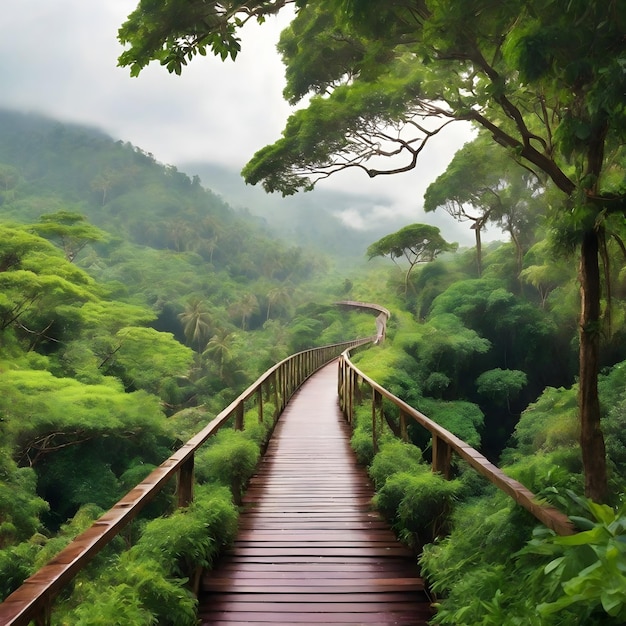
[{"x": 310, "y": 549}]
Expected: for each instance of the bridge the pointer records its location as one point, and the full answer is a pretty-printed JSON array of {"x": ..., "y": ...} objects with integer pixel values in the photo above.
[{"x": 310, "y": 549}]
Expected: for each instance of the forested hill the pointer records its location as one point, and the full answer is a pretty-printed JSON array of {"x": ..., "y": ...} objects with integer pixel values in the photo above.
[
  {"x": 47, "y": 167},
  {"x": 120, "y": 186},
  {"x": 308, "y": 219},
  {"x": 134, "y": 304}
]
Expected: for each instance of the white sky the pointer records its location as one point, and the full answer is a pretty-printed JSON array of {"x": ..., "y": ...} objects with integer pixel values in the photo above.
[{"x": 59, "y": 58}]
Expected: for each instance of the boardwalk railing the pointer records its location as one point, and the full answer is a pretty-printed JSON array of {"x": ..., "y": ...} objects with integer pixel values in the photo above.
[
  {"x": 444, "y": 443},
  {"x": 33, "y": 600}
]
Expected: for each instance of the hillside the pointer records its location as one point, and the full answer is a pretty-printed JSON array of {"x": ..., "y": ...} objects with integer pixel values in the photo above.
[{"x": 311, "y": 220}]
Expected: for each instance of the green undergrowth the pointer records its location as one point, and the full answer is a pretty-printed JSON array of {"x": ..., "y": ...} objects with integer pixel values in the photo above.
[
  {"x": 152, "y": 582},
  {"x": 480, "y": 549},
  {"x": 148, "y": 573}
]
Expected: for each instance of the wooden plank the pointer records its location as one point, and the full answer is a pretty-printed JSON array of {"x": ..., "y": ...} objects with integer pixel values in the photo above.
[{"x": 310, "y": 548}]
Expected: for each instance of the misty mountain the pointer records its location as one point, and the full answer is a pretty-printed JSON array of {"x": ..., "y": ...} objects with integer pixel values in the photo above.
[{"x": 311, "y": 219}]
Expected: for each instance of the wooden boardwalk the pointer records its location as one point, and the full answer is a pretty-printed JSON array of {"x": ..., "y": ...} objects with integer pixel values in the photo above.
[{"x": 310, "y": 549}]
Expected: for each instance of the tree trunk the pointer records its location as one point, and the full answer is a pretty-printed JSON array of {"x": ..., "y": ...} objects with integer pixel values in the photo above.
[
  {"x": 591, "y": 437},
  {"x": 476, "y": 227}
]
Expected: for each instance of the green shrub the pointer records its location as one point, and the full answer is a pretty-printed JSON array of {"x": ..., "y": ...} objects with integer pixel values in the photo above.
[
  {"x": 467, "y": 569},
  {"x": 418, "y": 504},
  {"x": 230, "y": 460},
  {"x": 363, "y": 446},
  {"x": 121, "y": 605},
  {"x": 152, "y": 582},
  {"x": 20, "y": 506},
  {"x": 394, "y": 456},
  {"x": 190, "y": 537},
  {"x": 553, "y": 471},
  {"x": 463, "y": 419},
  {"x": 425, "y": 508},
  {"x": 16, "y": 565},
  {"x": 256, "y": 431}
]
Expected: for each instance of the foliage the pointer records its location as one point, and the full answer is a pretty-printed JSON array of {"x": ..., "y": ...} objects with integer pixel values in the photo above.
[
  {"x": 150, "y": 582},
  {"x": 535, "y": 433},
  {"x": 463, "y": 419},
  {"x": 363, "y": 446},
  {"x": 576, "y": 579},
  {"x": 417, "y": 243},
  {"x": 501, "y": 384},
  {"x": 482, "y": 187},
  {"x": 485, "y": 532},
  {"x": 193, "y": 537},
  {"x": 138, "y": 345},
  {"x": 588, "y": 568},
  {"x": 230, "y": 460},
  {"x": 20, "y": 506},
  {"x": 418, "y": 504},
  {"x": 393, "y": 457}
]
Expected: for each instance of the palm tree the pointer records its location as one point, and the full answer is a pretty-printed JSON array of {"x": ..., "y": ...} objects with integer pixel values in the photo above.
[
  {"x": 278, "y": 295},
  {"x": 246, "y": 307},
  {"x": 196, "y": 320},
  {"x": 220, "y": 348}
]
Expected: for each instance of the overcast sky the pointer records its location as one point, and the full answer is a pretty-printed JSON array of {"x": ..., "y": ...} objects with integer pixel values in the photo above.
[{"x": 59, "y": 58}]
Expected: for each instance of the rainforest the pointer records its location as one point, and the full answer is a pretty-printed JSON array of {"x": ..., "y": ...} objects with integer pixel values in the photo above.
[{"x": 135, "y": 303}]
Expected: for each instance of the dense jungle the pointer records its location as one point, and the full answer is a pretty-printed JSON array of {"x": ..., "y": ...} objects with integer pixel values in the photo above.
[{"x": 135, "y": 303}]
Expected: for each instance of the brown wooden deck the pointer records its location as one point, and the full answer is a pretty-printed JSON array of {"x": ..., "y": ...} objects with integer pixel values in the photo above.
[{"x": 310, "y": 549}]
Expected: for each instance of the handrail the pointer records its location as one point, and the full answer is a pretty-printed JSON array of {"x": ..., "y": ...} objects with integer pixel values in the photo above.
[
  {"x": 33, "y": 600},
  {"x": 443, "y": 444},
  {"x": 365, "y": 305}
]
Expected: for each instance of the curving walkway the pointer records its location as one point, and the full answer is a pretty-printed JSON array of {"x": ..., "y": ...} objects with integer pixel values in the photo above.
[{"x": 310, "y": 549}]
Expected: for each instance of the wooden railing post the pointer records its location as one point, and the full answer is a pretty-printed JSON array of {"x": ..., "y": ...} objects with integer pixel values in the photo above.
[
  {"x": 358, "y": 395},
  {"x": 274, "y": 380},
  {"x": 350, "y": 396},
  {"x": 44, "y": 617},
  {"x": 185, "y": 483},
  {"x": 404, "y": 432},
  {"x": 442, "y": 456},
  {"x": 376, "y": 400},
  {"x": 260, "y": 403},
  {"x": 239, "y": 416},
  {"x": 341, "y": 390}
]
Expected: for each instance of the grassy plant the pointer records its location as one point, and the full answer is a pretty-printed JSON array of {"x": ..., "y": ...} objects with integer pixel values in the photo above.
[
  {"x": 153, "y": 582},
  {"x": 230, "y": 460},
  {"x": 418, "y": 504},
  {"x": 395, "y": 456}
]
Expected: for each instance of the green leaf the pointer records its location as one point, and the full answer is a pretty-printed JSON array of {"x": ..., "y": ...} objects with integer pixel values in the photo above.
[
  {"x": 602, "y": 512},
  {"x": 550, "y": 567}
]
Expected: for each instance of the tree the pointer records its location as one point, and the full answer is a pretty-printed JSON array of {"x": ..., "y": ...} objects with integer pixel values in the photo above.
[
  {"x": 546, "y": 80},
  {"x": 40, "y": 292},
  {"x": 279, "y": 297},
  {"x": 417, "y": 243},
  {"x": 246, "y": 307},
  {"x": 501, "y": 385},
  {"x": 167, "y": 358},
  {"x": 481, "y": 187},
  {"x": 546, "y": 273},
  {"x": 70, "y": 231},
  {"x": 196, "y": 320},
  {"x": 220, "y": 347}
]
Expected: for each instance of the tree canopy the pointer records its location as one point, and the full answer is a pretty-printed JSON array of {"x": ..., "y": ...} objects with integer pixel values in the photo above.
[
  {"x": 417, "y": 243},
  {"x": 545, "y": 80}
]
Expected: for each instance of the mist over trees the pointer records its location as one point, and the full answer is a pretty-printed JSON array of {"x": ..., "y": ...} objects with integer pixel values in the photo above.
[{"x": 134, "y": 302}]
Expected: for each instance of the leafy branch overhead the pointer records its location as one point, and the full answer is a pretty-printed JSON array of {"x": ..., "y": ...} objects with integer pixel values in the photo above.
[{"x": 174, "y": 31}]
